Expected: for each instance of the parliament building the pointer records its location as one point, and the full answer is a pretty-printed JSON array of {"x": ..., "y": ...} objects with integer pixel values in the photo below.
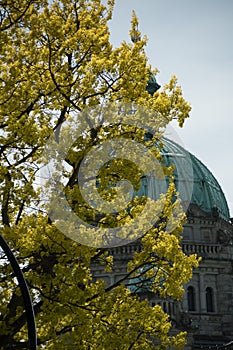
[{"x": 206, "y": 311}]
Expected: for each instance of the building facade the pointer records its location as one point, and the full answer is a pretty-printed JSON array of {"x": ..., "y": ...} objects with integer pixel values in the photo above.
[{"x": 206, "y": 311}]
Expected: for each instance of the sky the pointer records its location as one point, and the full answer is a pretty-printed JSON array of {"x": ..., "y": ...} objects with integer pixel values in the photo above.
[{"x": 194, "y": 41}]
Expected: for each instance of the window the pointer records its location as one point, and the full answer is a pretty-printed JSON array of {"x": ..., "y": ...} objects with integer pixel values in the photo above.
[
  {"x": 209, "y": 300},
  {"x": 191, "y": 299},
  {"x": 169, "y": 309},
  {"x": 164, "y": 306}
]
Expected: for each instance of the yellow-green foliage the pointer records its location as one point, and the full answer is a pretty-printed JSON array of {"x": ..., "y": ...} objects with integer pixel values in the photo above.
[{"x": 56, "y": 58}]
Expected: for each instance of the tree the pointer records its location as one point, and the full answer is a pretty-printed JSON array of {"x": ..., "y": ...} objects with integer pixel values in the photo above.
[{"x": 57, "y": 61}]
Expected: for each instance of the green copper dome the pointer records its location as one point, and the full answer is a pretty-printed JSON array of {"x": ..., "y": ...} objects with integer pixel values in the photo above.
[
  {"x": 195, "y": 183},
  {"x": 194, "y": 180}
]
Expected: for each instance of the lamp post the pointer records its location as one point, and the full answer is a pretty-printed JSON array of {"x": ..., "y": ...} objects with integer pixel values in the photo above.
[{"x": 25, "y": 294}]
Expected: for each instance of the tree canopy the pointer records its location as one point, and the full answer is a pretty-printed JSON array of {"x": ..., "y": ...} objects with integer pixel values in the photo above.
[{"x": 57, "y": 62}]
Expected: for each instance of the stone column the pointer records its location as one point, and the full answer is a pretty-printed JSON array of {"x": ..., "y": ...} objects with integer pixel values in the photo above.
[{"x": 202, "y": 293}]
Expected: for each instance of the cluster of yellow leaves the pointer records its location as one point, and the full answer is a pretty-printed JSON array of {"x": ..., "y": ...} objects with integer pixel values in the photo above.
[{"x": 56, "y": 58}]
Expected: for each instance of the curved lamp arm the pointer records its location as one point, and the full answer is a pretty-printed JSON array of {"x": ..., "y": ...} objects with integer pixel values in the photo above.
[{"x": 25, "y": 294}]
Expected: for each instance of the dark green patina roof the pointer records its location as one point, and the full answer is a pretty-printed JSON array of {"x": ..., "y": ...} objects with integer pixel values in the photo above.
[
  {"x": 194, "y": 181},
  {"x": 206, "y": 191},
  {"x": 152, "y": 85}
]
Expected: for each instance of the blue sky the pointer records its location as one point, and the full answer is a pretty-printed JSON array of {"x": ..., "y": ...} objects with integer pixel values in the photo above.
[{"x": 194, "y": 41}]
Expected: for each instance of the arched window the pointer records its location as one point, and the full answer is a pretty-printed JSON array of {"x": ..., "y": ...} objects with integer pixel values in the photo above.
[
  {"x": 209, "y": 300},
  {"x": 164, "y": 306},
  {"x": 173, "y": 309},
  {"x": 191, "y": 299}
]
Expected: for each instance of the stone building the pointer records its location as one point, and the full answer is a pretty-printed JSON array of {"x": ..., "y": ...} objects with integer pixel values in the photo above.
[{"x": 206, "y": 310}]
